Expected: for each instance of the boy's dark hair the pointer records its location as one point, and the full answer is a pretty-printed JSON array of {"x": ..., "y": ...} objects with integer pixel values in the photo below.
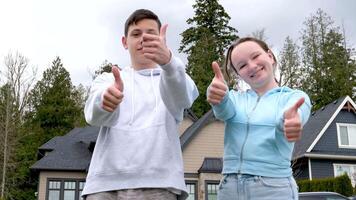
[{"x": 139, "y": 15}]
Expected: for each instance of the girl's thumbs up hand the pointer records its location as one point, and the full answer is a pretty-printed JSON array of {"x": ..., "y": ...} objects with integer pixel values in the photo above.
[{"x": 217, "y": 88}]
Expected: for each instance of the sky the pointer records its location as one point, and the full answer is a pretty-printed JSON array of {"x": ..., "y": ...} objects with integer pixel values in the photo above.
[{"x": 85, "y": 33}]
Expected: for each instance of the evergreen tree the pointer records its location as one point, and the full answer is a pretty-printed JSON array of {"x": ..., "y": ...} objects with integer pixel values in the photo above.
[
  {"x": 205, "y": 42},
  {"x": 289, "y": 62},
  {"x": 328, "y": 69},
  {"x": 53, "y": 101},
  {"x": 53, "y": 111},
  {"x": 80, "y": 95}
]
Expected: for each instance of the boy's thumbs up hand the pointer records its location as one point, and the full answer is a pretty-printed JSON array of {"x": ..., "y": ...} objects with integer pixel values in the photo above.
[
  {"x": 114, "y": 94},
  {"x": 118, "y": 82},
  {"x": 155, "y": 48},
  {"x": 292, "y": 122},
  {"x": 217, "y": 88}
]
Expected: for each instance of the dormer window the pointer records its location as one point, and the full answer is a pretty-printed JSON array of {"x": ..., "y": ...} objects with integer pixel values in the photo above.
[{"x": 346, "y": 134}]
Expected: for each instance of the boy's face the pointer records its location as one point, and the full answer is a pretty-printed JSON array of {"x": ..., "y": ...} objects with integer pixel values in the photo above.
[{"x": 133, "y": 42}]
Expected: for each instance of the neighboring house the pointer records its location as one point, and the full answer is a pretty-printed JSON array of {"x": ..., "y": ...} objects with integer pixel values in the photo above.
[
  {"x": 328, "y": 144},
  {"x": 64, "y": 160}
]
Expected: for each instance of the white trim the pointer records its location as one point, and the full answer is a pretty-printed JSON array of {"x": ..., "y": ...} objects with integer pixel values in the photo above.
[
  {"x": 348, "y": 165},
  {"x": 321, "y": 133},
  {"x": 309, "y": 167},
  {"x": 328, "y": 156},
  {"x": 338, "y": 135}
]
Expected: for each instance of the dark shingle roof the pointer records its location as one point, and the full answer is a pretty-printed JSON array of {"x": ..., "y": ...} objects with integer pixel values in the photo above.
[
  {"x": 317, "y": 121},
  {"x": 211, "y": 165},
  {"x": 192, "y": 130},
  {"x": 190, "y": 114},
  {"x": 68, "y": 152},
  {"x": 73, "y": 151}
]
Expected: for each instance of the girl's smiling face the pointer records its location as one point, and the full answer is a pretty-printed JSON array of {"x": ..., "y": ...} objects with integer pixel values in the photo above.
[{"x": 254, "y": 65}]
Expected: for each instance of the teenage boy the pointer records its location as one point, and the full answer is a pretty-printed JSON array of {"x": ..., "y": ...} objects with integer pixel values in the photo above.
[{"x": 137, "y": 153}]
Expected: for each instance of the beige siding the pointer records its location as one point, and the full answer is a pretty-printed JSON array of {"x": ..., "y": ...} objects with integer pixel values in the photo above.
[
  {"x": 207, "y": 143},
  {"x": 184, "y": 125},
  {"x": 200, "y": 181},
  {"x": 44, "y": 175},
  {"x": 206, "y": 177}
]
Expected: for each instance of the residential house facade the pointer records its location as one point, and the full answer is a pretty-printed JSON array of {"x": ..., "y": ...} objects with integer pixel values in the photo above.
[
  {"x": 64, "y": 160},
  {"x": 328, "y": 144}
]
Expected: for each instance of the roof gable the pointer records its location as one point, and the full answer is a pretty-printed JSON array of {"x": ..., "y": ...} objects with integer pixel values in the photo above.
[
  {"x": 317, "y": 124},
  {"x": 194, "y": 129}
]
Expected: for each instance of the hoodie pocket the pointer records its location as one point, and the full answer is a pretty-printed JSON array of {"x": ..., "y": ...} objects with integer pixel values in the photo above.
[{"x": 123, "y": 151}]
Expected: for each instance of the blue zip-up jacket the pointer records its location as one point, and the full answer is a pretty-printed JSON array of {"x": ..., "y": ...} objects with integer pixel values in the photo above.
[{"x": 254, "y": 141}]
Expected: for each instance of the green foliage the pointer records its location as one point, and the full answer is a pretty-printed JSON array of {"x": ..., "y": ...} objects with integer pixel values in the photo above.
[
  {"x": 26, "y": 182},
  {"x": 205, "y": 42},
  {"x": 341, "y": 184},
  {"x": 56, "y": 106},
  {"x": 104, "y": 67},
  {"x": 289, "y": 63},
  {"x": 13, "y": 98},
  {"x": 328, "y": 69},
  {"x": 8, "y": 133},
  {"x": 53, "y": 101}
]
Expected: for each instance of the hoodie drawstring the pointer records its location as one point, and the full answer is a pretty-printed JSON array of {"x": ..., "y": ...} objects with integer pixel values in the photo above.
[
  {"x": 154, "y": 92},
  {"x": 132, "y": 96}
]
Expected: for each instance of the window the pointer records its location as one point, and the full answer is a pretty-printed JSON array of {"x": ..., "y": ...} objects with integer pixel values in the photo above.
[
  {"x": 69, "y": 190},
  {"x": 350, "y": 170},
  {"x": 192, "y": 192},
  {"x": 81, "y": 187},
  {"x": 54, "y": 190},
  {"x": 346, "y": 135},
  {"x": 211, "y": 190},
  {"x": 64, "y": 189}
]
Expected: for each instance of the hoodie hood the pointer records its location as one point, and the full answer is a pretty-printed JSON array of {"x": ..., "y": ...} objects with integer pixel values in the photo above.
[
  {"x": 151, "y": 72},
  {"x": 145, "y": 72}
]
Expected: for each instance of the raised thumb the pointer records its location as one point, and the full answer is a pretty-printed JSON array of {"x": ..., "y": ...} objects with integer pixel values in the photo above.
[
  {"x": 163, "y": 31},
  {"x": 118, "y": 82},
  {"x": 217, "y": 71},
  {"x": 294, "y": 109}
]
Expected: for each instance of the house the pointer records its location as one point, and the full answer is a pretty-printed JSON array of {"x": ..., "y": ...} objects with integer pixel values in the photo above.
[
  {"x": 326, "y": 149},
  {"x": 64, "y": 160},
  {"x": 328, "y": 144}
]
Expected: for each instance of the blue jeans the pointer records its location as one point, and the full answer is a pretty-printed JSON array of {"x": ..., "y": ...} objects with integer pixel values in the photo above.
[{"x": 250, "y": 187}]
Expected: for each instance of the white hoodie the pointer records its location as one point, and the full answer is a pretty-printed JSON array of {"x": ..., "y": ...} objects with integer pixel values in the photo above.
[{"x": 138, "y": 145}]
